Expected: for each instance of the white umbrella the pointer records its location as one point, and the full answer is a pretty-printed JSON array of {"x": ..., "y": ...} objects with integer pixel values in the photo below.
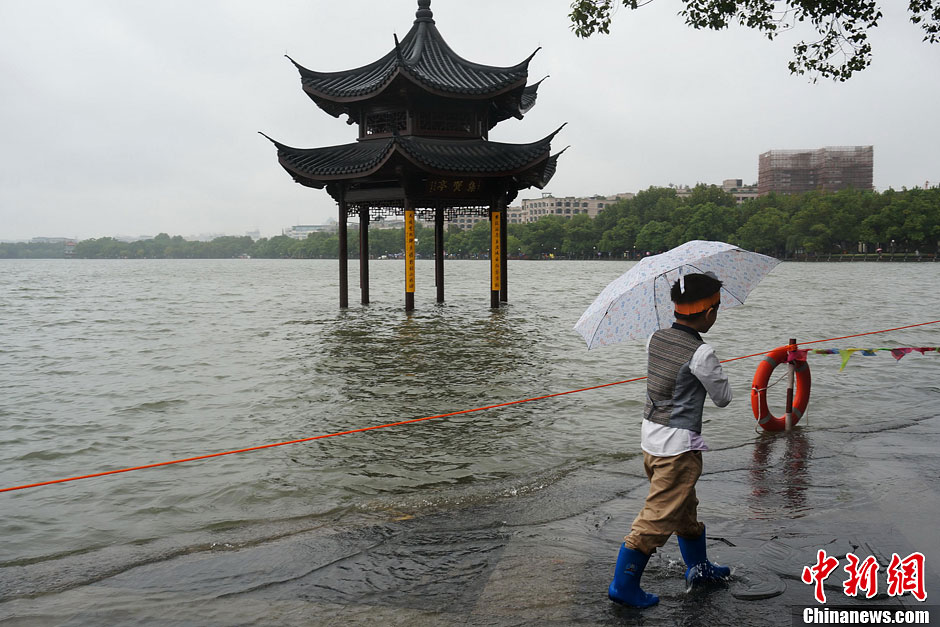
[{"x": 637, "y": 303}]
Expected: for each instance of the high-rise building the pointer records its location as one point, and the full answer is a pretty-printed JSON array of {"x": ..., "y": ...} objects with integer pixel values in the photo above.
[{"x": 828, "y": 169}]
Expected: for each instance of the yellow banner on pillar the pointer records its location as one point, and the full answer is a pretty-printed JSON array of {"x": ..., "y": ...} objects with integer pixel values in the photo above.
[
  {"x": 409, "y": 251},
  {"x": 496, "y": 253}
]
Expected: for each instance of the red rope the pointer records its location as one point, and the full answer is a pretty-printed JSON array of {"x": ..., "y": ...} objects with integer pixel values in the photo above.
[
  {"x": 910, "y": 326},
  {"x": 405, "y": 422}
]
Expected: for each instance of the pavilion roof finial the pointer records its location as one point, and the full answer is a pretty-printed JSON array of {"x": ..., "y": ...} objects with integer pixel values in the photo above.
[
  {"x": 398, "y": 48},
  {"x": 423, "y": 14}
]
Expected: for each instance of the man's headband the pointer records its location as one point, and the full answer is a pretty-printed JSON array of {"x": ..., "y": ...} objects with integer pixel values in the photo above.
[{"x": 697, "y": 306}]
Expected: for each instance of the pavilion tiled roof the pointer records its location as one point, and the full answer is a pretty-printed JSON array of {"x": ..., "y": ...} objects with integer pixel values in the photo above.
[
  {"x": 315, "y": 167},
  {"x": 424, "y": 58},
  {"x": 499, "y": 111}
]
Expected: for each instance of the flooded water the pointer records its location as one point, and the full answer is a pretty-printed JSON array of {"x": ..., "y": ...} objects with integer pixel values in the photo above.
[{"x": 510, "y": 515}]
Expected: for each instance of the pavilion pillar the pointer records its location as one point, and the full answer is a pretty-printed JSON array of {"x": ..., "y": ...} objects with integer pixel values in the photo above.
[
  {"x": 504, "y": 259},
  {"x": 409, "y": 256},
  {"x": 439, "y": 253},
  {"x": 343, "y": 254},
  {"x": 364, "y": 254},
  {"x": 496, "y": 256}
]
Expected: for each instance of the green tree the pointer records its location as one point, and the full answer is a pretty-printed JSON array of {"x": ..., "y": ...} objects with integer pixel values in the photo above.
[
  {"x": 316, "y": 246},
  {"x": 386, "y": 241},
  {"x": 703, "y": 194},
  {"x": 159, "y": 247},
  {"x": 842, "y": 27},
  {"x": 818, "y": 238},
  {"x": 545, "y": 236},
  {"x": 580, "y": 236},
  {"x": 477, "y": 240},
  {"x": 24, "y": 250},
  {"x": 710, "y": 222},
  {"x": 610, "y": 215},
  {"x": 765, "y": 232},
  {"x": 513, "y": 246},
  {"x": 101, "y": 248},
  {"x": 273, "y": 248},
  {"x": 455, "y": 241},
  {"x": 425, "y": 244},
  {"x": 910, "y": 219},
  {"x": 655, "y": 203},
  {"x": 654, "y": 237},
  {"x": 620, "y": 239}
]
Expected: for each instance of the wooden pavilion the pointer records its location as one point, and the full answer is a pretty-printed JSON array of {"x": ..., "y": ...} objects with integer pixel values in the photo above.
[{"x": 424, "y": 116}]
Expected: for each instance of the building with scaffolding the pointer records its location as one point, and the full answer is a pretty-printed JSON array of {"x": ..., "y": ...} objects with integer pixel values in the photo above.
[{"x": 828, "y": 169}]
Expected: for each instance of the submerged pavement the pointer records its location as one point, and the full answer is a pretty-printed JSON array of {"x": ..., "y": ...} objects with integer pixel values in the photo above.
[{"x": 545, "y": 555}]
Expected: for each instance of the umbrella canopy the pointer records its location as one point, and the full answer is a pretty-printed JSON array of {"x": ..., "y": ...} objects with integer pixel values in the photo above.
[{"x": 637, "y": 303}]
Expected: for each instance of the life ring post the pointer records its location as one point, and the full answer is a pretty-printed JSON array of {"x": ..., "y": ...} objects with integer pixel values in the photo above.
[
  {"x": 797, "y": 394},
  {"x": 788, "y": 421}
]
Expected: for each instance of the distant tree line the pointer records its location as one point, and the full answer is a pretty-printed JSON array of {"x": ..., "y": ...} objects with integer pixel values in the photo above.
[
  {"x": 779, "y": 225},
  {"x": 31, "y": 250},
  {"x": 654, "y": 220}
]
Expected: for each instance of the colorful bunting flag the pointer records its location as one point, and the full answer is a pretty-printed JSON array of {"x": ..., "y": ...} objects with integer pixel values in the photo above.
[{"x": 846, "y": 353}]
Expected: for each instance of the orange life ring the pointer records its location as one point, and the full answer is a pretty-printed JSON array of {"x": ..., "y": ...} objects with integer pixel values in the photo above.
[{"x": 759, "y": 390}]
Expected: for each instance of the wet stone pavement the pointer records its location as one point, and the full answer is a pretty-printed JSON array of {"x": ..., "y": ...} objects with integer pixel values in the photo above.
[{"x": 546, "y": 557}]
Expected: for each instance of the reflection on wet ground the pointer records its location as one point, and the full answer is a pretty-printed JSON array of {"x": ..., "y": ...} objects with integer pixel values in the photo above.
[
  {"x": 779, "y": 474},
  {"x": 545, "y": 555}
]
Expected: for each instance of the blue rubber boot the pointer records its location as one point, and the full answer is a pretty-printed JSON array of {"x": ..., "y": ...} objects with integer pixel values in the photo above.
[
  {"x": 625, "y": 588},
  {"x": 699, "y": 568}
]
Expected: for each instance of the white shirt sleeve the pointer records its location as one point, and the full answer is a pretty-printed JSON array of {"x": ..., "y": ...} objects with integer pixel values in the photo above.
[{"x": 704, "y": 365}]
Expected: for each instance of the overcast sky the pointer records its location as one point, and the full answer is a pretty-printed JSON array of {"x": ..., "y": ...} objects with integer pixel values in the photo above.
[{"x": 125, "y": 117}]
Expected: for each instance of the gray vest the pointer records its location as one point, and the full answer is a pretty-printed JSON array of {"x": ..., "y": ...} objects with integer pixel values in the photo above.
[{"x": 674, "y": 396}]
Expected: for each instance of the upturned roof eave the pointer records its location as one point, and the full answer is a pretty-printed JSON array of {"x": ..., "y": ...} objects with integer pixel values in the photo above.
[
  {"x": 530, "y": 173},
  {"x": 395, "y": 148},
  {"x": 329, "y": 178},
  {"x": 317, "y": 95},
  {"x": 435, "y": 35},
  {"x": 474, "y": 173},
  {"x": 519, "y": 83},
  {"x": 325, "y": 179},
  {"x": 408, "y": 54}
]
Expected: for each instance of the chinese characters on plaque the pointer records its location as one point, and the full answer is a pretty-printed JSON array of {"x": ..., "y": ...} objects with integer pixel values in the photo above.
[{"x": 453, "y": 187}]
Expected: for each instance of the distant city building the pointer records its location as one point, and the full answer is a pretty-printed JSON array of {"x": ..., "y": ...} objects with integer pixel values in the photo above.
[
  {"x": 828, "y": 169},
  {"x": 50, "y": 240},
  {"x": 464, "y": 222},
  {"x": 202, "y": 237},
  {"x": 301, "y": 231},
  {"x": 535, "y": 208},
  {"x": 741, "y": 192},
  {"x": 735, "y": 187},
  {"x": 388, "y": 223},
  {"x": 682, "y": 191}
]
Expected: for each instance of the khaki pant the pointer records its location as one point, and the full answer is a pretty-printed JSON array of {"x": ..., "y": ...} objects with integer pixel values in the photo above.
[{"x": 671, "y": 506}]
